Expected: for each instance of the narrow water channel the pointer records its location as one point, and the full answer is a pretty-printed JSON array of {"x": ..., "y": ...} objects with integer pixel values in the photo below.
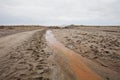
[{"x": 70, "y": 61}]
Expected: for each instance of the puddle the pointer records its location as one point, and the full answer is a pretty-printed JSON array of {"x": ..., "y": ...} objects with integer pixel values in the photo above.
[
  {"x": 72, "y": 59},
  {"x": 50, "y": 37}
]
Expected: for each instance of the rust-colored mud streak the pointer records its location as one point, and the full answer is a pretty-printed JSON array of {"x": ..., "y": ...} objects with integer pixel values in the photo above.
[{"x": 78, "y": 67}]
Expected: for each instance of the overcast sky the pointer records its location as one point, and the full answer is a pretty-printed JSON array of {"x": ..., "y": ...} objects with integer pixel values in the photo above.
[{"x": 60, "y": 12}]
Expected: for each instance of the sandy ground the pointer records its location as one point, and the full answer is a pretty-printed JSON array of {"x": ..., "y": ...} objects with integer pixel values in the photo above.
[
  {"x": 78, "y": 54},
  {"x": 100, "y": 48},
  {"x": 25, "y": 56}
]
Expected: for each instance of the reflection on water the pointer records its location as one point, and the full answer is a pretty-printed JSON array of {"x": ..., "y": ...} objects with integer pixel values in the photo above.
[
  {"x": 53, "y": 42},
  {"x": 73, "y": 59},
  {"x": 50, "y": 37}
]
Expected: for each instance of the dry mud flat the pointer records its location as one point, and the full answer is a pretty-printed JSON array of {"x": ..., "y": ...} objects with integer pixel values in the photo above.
[
  {"x": 8, "y": 30},
  {"x": 5, "y": 32},
  {"x": 100, "y": 48},
  {"x": 28, "y": 60}
]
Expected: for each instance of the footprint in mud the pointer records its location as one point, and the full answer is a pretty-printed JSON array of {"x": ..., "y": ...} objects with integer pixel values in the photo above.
[
  {"x": 21, "y": 67},
  {"x": 39, "y": 67},
  {"x": 23, "y": 75},
  {"x": 40, "y": 71},
  {"x": 41, "y": 78},
  {"x": 30, "y": 67},
  {"x": 24, "y": 66},
  {"x": 43, "y": 62}
]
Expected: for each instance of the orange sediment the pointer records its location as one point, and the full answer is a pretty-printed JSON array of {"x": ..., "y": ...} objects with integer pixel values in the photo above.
[{"x": 82, "y": 72}]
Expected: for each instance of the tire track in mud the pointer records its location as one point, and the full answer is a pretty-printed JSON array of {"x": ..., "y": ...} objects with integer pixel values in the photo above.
[
  {"x": 70, "y": 62},
  {"x": 32, "y": 61}
]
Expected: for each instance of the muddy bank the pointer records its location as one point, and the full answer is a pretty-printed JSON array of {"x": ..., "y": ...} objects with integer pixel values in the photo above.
[
  {"x": 29, "y": 61},
  {"x": 100, "y": 46}
]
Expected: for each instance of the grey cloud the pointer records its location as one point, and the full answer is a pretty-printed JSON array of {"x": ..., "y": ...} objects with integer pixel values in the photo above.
[{"x": 60, "y": 12}]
